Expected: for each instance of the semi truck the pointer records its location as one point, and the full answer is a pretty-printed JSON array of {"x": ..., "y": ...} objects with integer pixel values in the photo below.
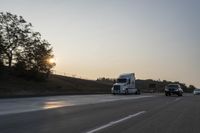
[{"x": 125, "y": 84}]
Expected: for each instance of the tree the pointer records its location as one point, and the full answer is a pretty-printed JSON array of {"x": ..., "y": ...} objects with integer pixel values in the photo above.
[
  {"x": 14, "y": 30},
  {"x": 1, "y": 49},
  {"x": 21, "y": 47},
  {"x": 192, "y": 87},
  {"x": 36, "y": 55},
  {"x": 1, "y": 52}
]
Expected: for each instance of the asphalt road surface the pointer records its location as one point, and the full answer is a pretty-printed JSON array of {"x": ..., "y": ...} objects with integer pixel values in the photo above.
[{"x": 114, "y": 114}]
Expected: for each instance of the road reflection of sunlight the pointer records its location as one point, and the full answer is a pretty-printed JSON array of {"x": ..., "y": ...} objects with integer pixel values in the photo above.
[{"x": 55, "y": 104}]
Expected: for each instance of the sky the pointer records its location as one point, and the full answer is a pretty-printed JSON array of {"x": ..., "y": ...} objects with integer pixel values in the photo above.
[{"x": 155, "y": 39}]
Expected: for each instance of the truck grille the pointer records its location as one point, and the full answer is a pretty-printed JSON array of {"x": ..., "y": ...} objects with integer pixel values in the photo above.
[{"x": 117, "y": 87}]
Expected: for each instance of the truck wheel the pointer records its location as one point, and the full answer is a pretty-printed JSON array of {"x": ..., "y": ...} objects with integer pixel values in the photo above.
[
  {"x": 126, "y": 92},
  {"x": 137, "y": 92},
  {"x": 180, "y": 94}
]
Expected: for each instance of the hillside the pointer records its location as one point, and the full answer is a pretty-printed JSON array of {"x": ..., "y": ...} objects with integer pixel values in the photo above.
[{"x": 11, "y": 86}]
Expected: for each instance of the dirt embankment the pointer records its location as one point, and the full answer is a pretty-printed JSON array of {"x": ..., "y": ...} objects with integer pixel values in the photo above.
[{"x": 11, "y": 86}]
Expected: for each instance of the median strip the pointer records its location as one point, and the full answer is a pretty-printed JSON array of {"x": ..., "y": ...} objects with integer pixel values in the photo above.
[{"x": 116, "y": 122}]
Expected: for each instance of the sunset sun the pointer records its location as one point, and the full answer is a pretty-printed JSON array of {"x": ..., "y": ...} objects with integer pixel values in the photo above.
[{"x": 51, "y": 60}]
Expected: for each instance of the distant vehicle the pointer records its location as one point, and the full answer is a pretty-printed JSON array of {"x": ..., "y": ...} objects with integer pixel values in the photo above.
[
  {"x": 196, "y": 92},
  {"x": 173, "y": 89},
  {"x": 125, "y": 85}
]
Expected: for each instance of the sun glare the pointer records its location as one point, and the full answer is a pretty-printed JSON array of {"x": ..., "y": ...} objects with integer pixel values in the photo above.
[{"x": 51, "y": 60}]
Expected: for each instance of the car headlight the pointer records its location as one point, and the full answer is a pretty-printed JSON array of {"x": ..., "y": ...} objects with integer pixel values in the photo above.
[{"x": 176, "y": 90}]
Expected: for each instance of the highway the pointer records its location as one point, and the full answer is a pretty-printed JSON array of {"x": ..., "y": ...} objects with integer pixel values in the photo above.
[{"x": 152, "y": 113}]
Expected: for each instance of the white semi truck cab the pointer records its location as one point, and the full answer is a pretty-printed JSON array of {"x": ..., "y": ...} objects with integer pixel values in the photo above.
[{"x": 125, "y": 85}]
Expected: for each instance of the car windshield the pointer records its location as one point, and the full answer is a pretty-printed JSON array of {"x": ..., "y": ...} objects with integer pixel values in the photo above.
[
  {"x": 121, "y": 80},
  {"x": 173, "y": 86}
]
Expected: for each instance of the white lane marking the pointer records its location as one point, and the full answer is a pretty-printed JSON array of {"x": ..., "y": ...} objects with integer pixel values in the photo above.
[
  {"x": 122, "y": 98},
  {"x": 116, "y": 122},
  {"x": 177, "y": 99}
]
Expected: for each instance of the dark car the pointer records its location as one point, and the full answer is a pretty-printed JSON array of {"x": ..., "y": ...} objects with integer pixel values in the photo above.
[{"x": 173, "y": 89}]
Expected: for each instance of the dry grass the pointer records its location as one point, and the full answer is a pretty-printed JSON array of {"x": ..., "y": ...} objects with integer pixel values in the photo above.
[{"x": 11, "y": 86}]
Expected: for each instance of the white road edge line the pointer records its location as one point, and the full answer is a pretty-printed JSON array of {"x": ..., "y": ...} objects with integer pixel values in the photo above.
[{"x": 116, "y": 122}]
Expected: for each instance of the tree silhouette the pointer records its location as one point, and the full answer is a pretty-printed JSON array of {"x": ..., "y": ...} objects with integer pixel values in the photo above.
[
  {"x": 13, "y": 32},
  {"x": 21, "y": 47},
  {"x": 192, "y": 87}
]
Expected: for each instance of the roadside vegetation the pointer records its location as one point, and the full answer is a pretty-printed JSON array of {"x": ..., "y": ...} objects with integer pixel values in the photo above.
[
  {"x": 14, "y": 86},
  {"x": 150, "y": 85},
  {"x": 23, "y": 52}
]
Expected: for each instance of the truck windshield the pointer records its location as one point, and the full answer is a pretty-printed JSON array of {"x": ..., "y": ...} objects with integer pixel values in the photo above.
[{"x": 121, "y": 80}]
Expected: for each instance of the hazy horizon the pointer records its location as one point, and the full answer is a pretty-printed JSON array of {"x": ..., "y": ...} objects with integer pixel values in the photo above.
[{"x": 155, "y": 39}]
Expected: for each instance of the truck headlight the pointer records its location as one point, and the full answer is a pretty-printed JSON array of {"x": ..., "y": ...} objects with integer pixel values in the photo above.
[{"x": 123, "y": 89}]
